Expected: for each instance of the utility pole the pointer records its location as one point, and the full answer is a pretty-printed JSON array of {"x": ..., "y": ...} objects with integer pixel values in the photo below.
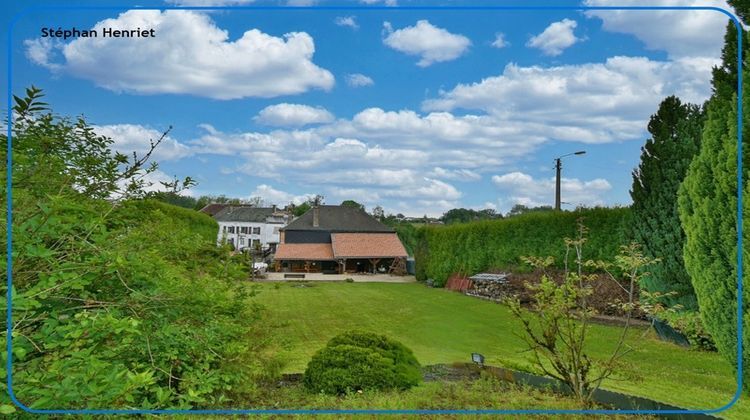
[{"x": 558, "y": 170}]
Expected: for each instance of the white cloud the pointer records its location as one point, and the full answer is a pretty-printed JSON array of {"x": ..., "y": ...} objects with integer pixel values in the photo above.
[
  {"x": 521, "y": 188},
  {"x": 591, "y": 103},
  {"x": 348, "y": 21},
  {"x": 273, "y": 196},
  {"x": 358, "y": 80},
  {"x": 205, "y": 3},
  {"x": 190, "y": 55},
  {"x": 455, "y": 174},
  {"x": 500, "y": 41},
  {"x": 430, "y": 43},
  {"x": 555, "y": 38},
  {"x": 129, "y": 138},
  {"x": 385, "y": 2},
  {"x": 293, "y": 115},
  {"x": 681, "y": 33}
]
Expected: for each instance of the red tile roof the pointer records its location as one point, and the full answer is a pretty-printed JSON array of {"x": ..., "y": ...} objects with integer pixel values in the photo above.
[
  {"x": 312, "y": 252},
  {"x": 367, "y": 245}
]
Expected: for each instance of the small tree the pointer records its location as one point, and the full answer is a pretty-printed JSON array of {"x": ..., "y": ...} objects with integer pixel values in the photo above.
[{"x": 556, "y": 327}]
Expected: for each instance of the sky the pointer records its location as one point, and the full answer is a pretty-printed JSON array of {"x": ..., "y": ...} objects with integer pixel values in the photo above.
[{"x": 418, "y": 111}]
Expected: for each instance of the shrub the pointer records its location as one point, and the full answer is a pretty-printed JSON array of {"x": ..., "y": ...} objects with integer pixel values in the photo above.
[
  {"x": 356, "y": 361},
  {"x": 124, "y": 303},
  {"x": 691, "y": 325},
  {"x": 473, "y": 247}
]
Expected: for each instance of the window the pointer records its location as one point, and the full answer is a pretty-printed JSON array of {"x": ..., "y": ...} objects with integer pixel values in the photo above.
[
  {"x": 256, "y": 231},
  {"x": 244, "y": 229},
  {"x": 224, "y": 229},
  {"x": 256, "y": 243},
  {"x": 242, "y": 241},
  {"x": 231, "y": 229}
]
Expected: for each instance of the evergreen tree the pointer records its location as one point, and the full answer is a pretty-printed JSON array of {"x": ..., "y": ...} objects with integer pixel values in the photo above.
[
  {"x": 708, "y": 207},
  {"x": 741, "y": 8},
  {"x": 675, "y": 137}
]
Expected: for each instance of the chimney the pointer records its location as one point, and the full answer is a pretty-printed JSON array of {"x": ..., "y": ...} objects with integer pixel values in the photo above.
[
  {"x": 316, "y": 216},
  {"x": 273, "y": 208}
]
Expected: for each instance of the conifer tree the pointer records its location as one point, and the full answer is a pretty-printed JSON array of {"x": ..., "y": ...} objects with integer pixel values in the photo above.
[
  {"x": 675, "y": 137},
  {"x": 708, "y": 206}
]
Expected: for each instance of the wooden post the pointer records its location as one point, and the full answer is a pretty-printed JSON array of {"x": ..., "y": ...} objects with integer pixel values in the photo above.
[
  {"x": 342, "y": 266},
  {"x": 374, "y": 262}
]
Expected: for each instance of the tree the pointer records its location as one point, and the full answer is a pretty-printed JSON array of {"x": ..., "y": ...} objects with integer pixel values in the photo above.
[
  {"x": 521, "y": 209},
  {"x": 468, "y": 215},
  {"x": 318, "y": 200},
  {"x": 378, "y": 212},
  {"x": 255, "y": 201},
  {"x": 675, "y": 138},
  {"x": 99, "y": 280},
  {"x": 353, "y": 204},
  {"x": 707, "y": 203},
  {"x": 742, "y": 8},
  {"x": 557, "y": 325},
  {"x": 301, "y": 209}
]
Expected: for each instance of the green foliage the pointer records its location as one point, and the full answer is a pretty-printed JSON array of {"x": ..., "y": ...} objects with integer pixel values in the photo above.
[
  {"x": 742, "y": 8},
  {"x": 356, "y": 361},
  {"x": 301, "y": 209},
  {"x": 122, "y": 303},
  {"x": 557, "y": 326},
  {"x": 691, "y": 325},
  {"x": 521, "y": 209},
  {"x": 353, "y": 204},
  {"x": 175, "y": 199},
  {"x": 487, "y": 392},
  {"x": 675, "y": 137},
  {"x": 468, "y": 215},
  {"x": 708, "y": 209},
  {"x": 474, "y": 247}
]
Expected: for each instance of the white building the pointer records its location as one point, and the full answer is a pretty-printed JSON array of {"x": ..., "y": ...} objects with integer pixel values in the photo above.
[{"x": 246, "y": 227}]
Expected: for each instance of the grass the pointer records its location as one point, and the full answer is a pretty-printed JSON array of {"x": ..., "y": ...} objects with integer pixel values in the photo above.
[
  {"x": 483, "y": 394},
  {"x": 446, "y": 327}
]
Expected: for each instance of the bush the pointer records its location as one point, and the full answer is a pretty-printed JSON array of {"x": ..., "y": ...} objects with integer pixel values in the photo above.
[
  {"x": 118, "y": 303},
  {"x": 691, "y": 326},
  {"x": 474, "y": 247},
  {"x": 362, "y": 361}
]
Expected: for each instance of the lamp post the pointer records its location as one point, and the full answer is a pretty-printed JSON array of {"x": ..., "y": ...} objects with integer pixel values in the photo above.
[{"x": 558, "y": 169}]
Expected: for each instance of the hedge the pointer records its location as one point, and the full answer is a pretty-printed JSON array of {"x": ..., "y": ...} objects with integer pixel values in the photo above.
[{"x": 497, "y": 244}]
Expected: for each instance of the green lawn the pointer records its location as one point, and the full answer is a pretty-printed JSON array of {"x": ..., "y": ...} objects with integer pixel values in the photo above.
[{"x": 444, "y": 327}]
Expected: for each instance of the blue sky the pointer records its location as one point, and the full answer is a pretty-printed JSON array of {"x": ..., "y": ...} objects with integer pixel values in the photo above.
[{"x": 418, "y": 111}]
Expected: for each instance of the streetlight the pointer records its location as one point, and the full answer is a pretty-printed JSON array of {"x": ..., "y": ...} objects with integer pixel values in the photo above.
[{"x": 558, "y": 168}]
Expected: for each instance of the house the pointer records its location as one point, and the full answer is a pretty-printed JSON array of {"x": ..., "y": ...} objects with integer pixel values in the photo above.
[
  {"x": 213, "y": 208},
  {"x": 338, "y": 239},
  {"x": 247, "y": 227}
]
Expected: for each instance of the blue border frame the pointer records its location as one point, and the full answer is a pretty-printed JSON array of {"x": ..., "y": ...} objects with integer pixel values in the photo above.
[{"x": 9, "y": 247}]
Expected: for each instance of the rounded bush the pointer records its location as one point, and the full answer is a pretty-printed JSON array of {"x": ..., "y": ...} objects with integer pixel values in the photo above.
[{"x": 356, "y": 361}]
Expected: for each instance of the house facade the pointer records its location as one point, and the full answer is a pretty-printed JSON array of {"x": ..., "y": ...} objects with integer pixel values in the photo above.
[
  {"x": 337, "y": 240},
  {"x": 246, "y": 227}
]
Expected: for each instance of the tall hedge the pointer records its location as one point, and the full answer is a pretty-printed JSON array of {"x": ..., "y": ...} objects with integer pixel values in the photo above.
[
  {"x": 474, "y": 247},
  {"x": 708, "y": 207},
  {"x": 675, "y": 138}
]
